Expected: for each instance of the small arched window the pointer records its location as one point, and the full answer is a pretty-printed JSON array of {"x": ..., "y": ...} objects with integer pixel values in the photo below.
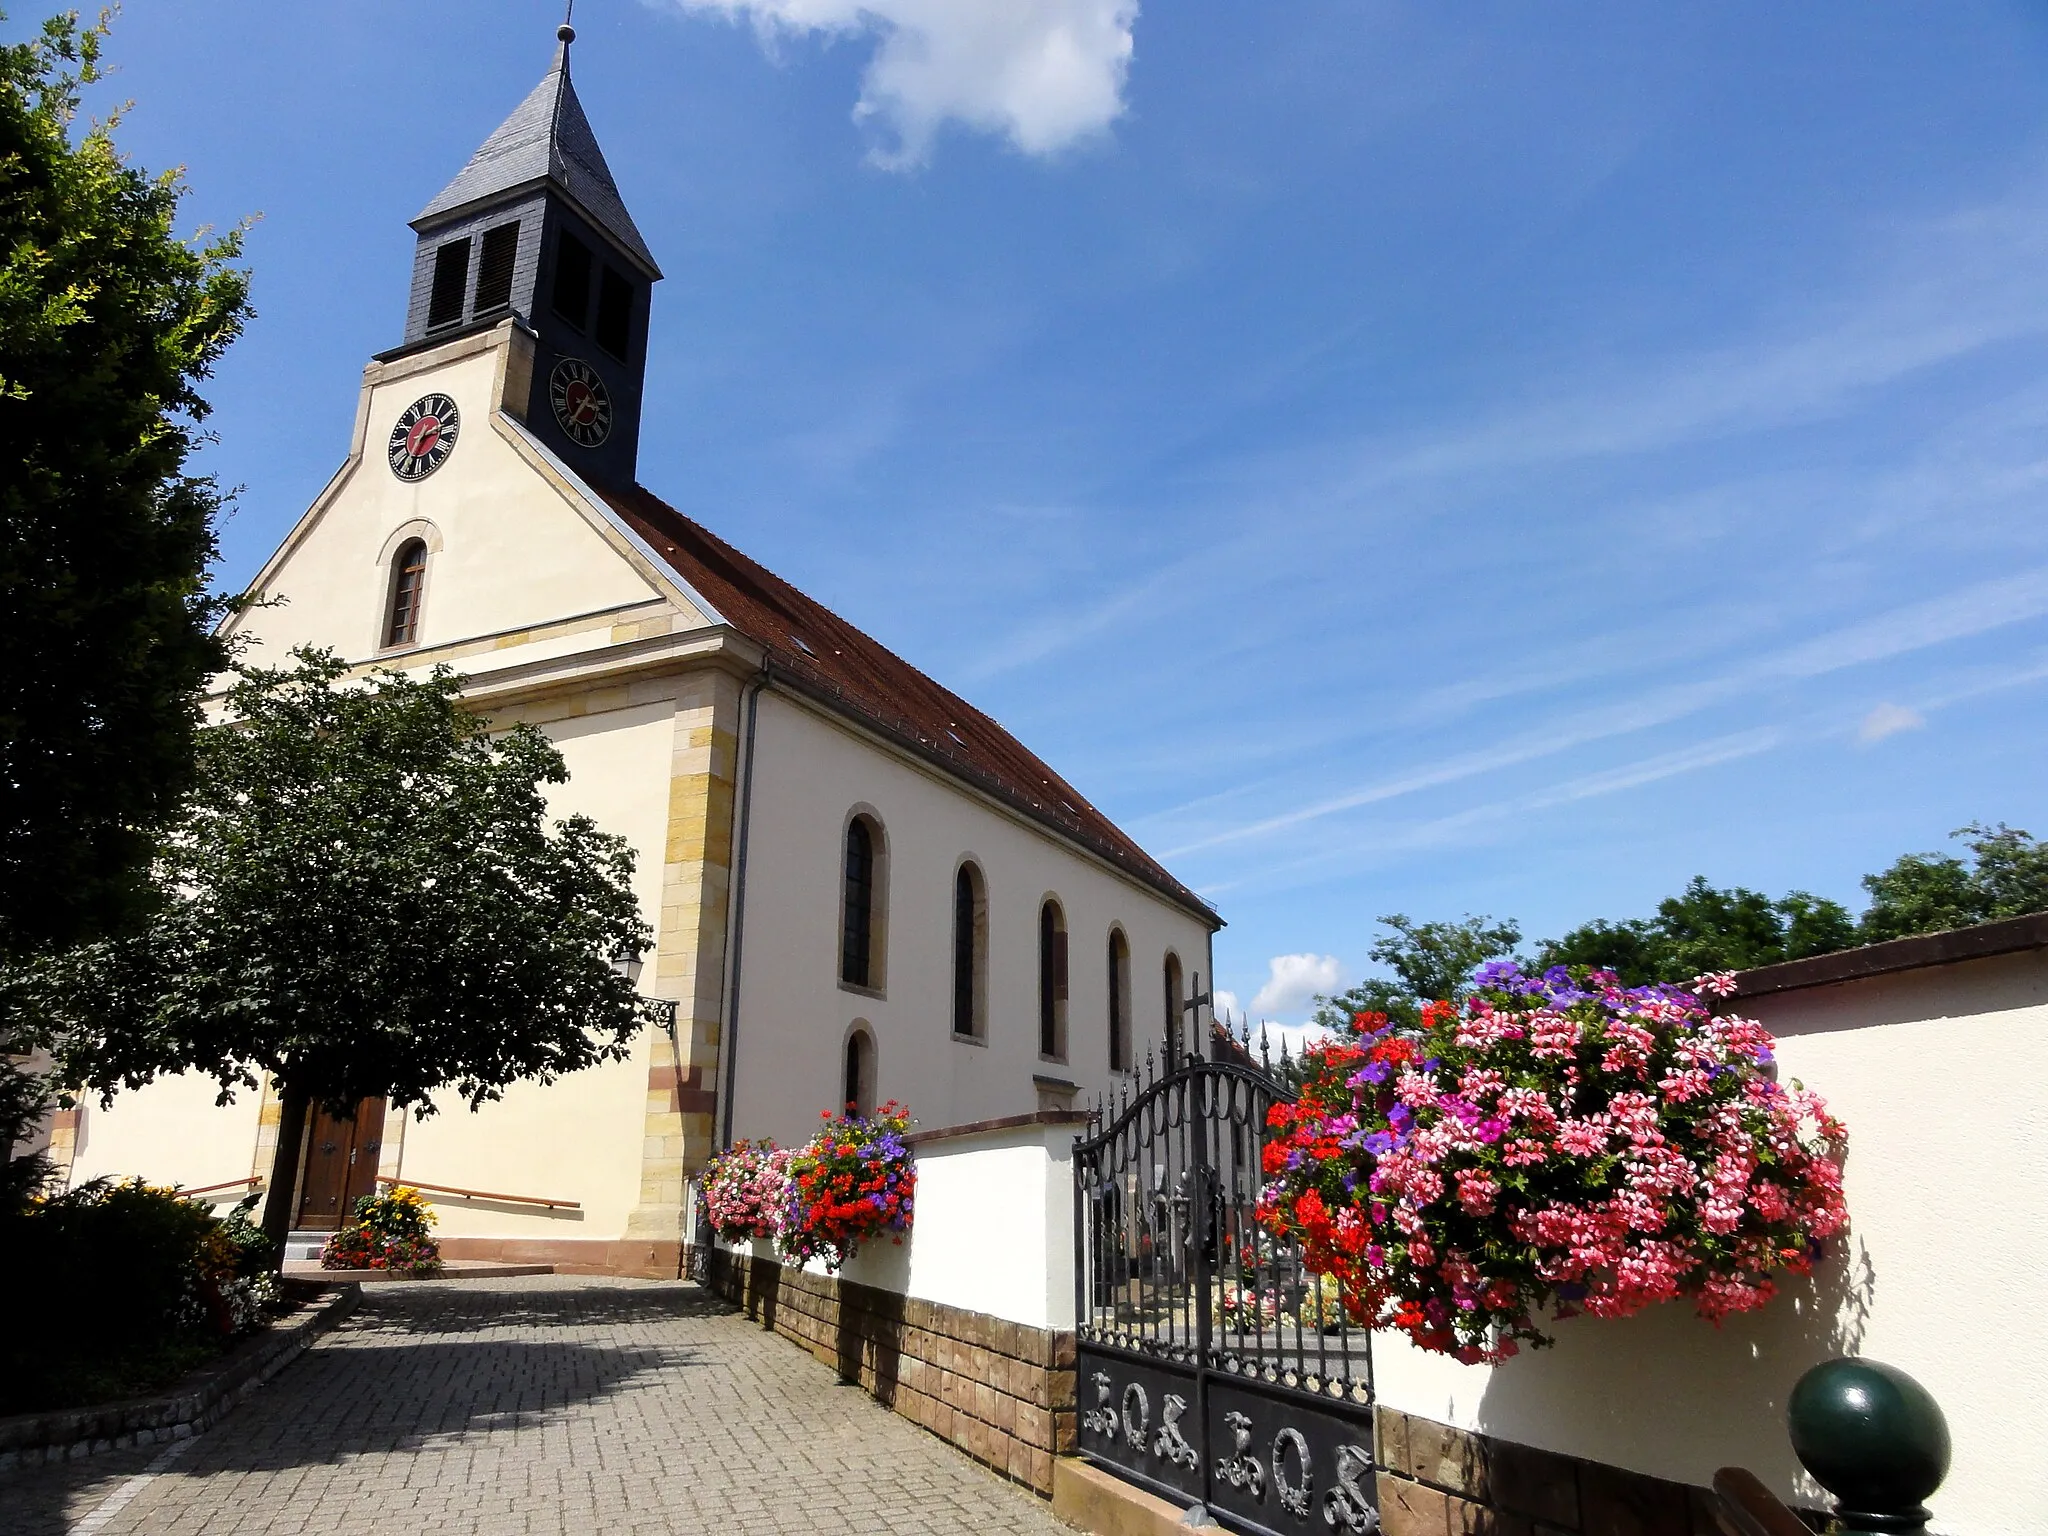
[
  {"x": 857, "y": 1081},
  {"x": 408, "y": 589},
  {"x": 862, "y": 905},
  {"x": 970, "y": 953},
  {"x": 1052, "y": 981},
  {"x": 1119, "y": 1001},
  {"x": 1176, "y": 1008}
]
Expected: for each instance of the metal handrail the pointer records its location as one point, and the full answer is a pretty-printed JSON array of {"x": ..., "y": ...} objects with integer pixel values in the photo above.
[
  {"x": 483, "y": 1194},
  {"x": 1745, "y": 1507},
  {"x": 250, "y": 1182}
]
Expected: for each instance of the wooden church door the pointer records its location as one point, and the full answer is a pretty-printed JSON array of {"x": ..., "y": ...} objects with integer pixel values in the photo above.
[{"x": 341, "y": 1164}]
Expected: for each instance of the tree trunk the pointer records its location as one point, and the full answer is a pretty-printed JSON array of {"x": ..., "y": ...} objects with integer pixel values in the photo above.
[{"x": 284, "y": 1167}]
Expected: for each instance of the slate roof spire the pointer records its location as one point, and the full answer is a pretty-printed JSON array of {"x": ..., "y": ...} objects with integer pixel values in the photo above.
[{"x": 546, "y": 140}]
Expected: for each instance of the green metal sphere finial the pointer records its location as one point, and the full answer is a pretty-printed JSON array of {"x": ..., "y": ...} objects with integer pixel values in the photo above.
[{"x": 1873, "y": 1437}]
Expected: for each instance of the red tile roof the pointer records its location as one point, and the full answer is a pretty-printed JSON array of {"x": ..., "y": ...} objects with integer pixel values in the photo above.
[{"x": 820, "y": 654}]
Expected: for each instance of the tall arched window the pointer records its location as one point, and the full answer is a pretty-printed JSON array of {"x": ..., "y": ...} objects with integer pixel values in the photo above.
[
  {"x": 857, "y": 1082},
  {"x": 1119, "y": 1001},
  {"x": 970, "y": 953},
  {"x": 862, "y": 905},
  {"x": 1052, "y": 981},
  {"x": 408, "y": 588},
  {"x": 1176, "y": 1008}
]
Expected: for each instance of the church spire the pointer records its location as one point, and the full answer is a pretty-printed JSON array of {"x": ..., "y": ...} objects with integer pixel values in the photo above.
[
  {"x": 533, "y": 231},
  {"x": 547, "y": 141}
]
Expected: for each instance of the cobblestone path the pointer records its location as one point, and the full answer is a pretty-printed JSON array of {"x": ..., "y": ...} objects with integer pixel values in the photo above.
[{"x": 547, "y": 1404}]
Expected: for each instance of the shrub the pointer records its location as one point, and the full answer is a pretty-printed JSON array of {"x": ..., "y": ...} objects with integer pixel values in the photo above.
[
  {"x": 852, "y": 1182},
  {"x": 1558, "y": 1144},
  {"x": 127, "y": 1286},
  {"x": 746, "y": 1190},
  {"x": 388, "y": 1231}
]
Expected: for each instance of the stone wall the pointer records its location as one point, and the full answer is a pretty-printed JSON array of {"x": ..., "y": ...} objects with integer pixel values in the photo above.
[
  {"x": 1439, "y": 1481},
  {"x": 1001, "y": 1391}
]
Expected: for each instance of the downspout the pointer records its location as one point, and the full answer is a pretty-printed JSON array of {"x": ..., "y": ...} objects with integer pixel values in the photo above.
[{"x": 737, "y": 905}]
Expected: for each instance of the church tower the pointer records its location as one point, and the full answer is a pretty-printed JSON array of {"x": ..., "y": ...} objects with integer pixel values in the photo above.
[{"x": 533, "y": 229}]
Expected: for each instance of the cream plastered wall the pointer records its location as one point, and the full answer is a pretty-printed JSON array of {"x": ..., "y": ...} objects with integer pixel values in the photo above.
[
  {"x": 581, "y": 1137},
  {"x": 993, "y": 1230},
  {"x": 512, "y": 544},
  {"x": 169, "y": 1132},
  {"x": 1942, "y": 1078},
  {"x": 809, "y": 774}
]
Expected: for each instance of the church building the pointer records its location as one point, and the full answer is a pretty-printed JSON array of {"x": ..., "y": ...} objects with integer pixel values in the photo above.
[{"x": 861, "y": 886}]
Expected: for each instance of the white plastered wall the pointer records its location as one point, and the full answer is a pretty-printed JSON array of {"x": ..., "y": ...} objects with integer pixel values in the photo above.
[
  {"x": 993, "y": 1230},
  {"x": 1942, "y": 1078},
  {"x": 809, "y": 774}
]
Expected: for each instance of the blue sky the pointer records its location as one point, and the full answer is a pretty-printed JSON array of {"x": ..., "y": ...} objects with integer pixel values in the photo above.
[{"x": 1392, "y": 457}]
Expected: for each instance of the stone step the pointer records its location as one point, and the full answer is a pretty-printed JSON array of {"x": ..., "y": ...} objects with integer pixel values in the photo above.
[{"x": 451, "y": 1269}]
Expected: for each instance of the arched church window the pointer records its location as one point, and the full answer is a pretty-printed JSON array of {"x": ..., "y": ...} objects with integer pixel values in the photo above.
[
  {"x": 408, "y": 589},
  {"x": 857, "y": 1081},
  {"x": 970, "y": 952},
  {"x": 1119, "y": 1001},
  {"x": 862, "y": 905},
  {"x": 451, "y": 283},
  {"x": 1176, "y": 1008},
  {"x": 1052, "y": 981}
]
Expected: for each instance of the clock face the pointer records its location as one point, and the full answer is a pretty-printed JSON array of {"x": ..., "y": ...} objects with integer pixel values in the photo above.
[
  {"x": 582, "y": 404},
  {"x": 424, "y": 437}
]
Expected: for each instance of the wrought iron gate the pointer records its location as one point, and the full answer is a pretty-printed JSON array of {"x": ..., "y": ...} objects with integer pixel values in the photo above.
[{"x": 1211, "y": 1368}]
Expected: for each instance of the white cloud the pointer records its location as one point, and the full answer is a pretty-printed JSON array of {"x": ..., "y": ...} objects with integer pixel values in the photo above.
[
  {"x": 1888, "y": 720},
  {"x": 1292, "y": 983},
  {"x": 1044, "y": 74}
]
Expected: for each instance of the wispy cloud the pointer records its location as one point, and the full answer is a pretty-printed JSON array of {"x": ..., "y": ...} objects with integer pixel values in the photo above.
[
  {"x": 1933, "y": 621},
  {"x": 1888, "y": 720},
  {"x": 1053, "y": 633}
]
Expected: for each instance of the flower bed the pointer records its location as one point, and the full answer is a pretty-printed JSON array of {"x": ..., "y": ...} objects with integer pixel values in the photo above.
[
  {"x": 746, "y": 1191},
  {"x": 389, "y": 1231},
  {"x": 1559, "y": 1144}
]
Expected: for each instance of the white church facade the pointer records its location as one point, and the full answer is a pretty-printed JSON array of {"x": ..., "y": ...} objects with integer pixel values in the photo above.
[{"x": 860, "y": 885}]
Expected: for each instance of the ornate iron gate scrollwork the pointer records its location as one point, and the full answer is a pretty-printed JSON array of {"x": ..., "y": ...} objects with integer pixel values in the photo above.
[{"x": 1213, "y": 1369}]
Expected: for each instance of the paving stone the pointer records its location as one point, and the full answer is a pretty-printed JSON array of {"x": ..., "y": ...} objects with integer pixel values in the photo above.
[{"x": 541, "y": 1405}]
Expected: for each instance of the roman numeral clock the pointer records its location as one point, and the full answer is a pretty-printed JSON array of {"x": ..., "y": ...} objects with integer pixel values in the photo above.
[
  {"x": 424, "y": 437},
  {"x": 582, "y": 405}
]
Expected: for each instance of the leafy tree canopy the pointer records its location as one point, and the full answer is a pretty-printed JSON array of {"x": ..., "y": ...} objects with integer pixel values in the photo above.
[
  {"x": 366, "y": 898},
  {"x": 108, "y": 322},
  {"x": 2005, "y": 876},
  {"x": 1706, "y": 929},
  {"x": 1429, "y": 960}
]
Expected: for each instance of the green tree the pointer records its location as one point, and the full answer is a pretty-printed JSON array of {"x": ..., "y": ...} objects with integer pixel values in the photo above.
[
  {"x": 1429, "y": 960},
  {"x": 2005, "y": 876},
  {"x": 1704, "y": 928},
  {"x": 366, "y": 897},
  {"x": 108, "y": 323}
]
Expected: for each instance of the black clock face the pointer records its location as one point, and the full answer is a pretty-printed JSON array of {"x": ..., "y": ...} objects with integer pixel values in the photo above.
[
  {"x": 424, "y": 437},
  {"x": 582, "y": 404}
]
